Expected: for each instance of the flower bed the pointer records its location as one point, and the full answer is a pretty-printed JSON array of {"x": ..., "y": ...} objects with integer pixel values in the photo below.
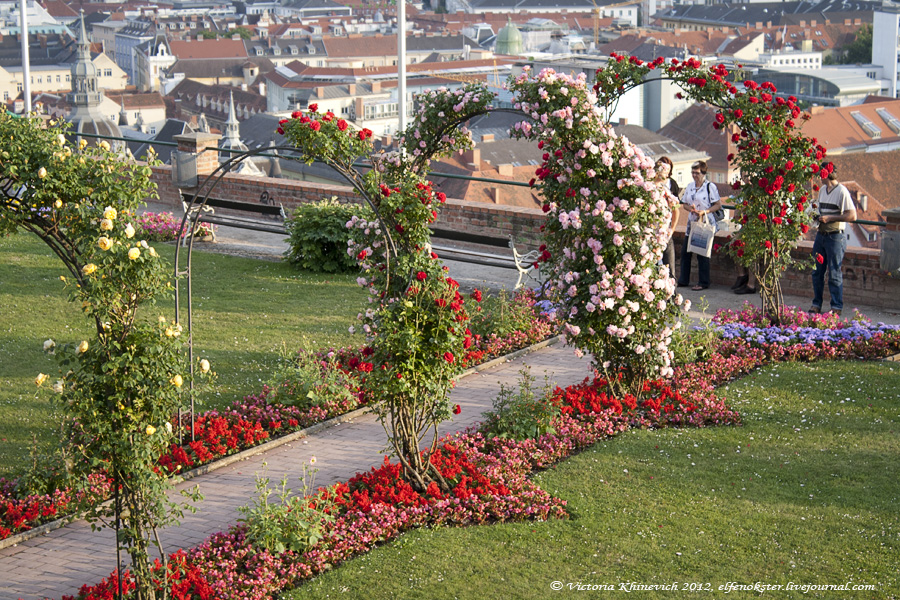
[
  {"x": 164, "y": 227},
  {"x": 489, "y": 481},
  {"x": 250, "y": 422}
]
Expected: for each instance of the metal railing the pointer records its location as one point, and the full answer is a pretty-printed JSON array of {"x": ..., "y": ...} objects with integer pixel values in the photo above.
[{"x": 433, "y": 173}]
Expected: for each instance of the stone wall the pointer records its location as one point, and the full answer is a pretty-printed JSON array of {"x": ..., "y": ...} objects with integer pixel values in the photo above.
[{"x": 865, "y": 280}]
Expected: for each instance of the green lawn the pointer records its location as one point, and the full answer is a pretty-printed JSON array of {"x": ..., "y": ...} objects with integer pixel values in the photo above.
[
  {"x": 806, "y": 492},
  {"x": 245, "y": 310}
]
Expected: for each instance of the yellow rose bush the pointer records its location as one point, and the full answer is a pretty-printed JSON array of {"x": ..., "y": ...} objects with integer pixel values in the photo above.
[{"x": 81, "y": 201}]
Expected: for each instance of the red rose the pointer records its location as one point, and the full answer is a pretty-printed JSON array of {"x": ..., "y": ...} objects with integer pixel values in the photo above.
[
  {"x": 457, "y": 409},
  {"x": 315, "y": 125},
  {"x": 441, "y": 302},
  {"x": 761, "y": 217},
  {"x": 296, "y": 114},
  {"x": 313, "y": 107},
  {"x": 442, "y": 197},
  {"x": 342, "y": 125},
  {"x": 804, "y": 228},
  {"x": 421, "y": 275},
  {"x": 820, "y": 259},
  {"x": 477, "y": 295},
  {"x": 768, "y": 245},
  {"x": 328, "y": 116},
  {"x": 448, "y": 356},
  {"x": 279, "y": 131},
  {"x": 545, "y": 208}
]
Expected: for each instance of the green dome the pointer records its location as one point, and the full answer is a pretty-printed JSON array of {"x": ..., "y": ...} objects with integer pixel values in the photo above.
[{"x": 509, "y": 40}]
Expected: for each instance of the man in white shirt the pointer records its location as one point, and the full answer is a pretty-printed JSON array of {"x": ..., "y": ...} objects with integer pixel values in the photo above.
[
  {"x": 701, "y": 201},
  {"x": 835, "y": 209}
]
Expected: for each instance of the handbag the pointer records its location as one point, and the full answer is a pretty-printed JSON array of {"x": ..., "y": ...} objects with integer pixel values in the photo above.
[{"x": 700, "y": 240}]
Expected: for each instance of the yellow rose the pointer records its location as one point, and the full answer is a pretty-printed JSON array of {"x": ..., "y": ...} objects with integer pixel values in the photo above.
[
  {"x": 42, "y": 172},
  {"x": 49, "y": 345},
  {"x": 58, "y": 387},
  {"x": 82, "y": 143},
  {"x": 40, "y": 379},
  {"x": 204, "y": 366},
  {"x": 103, "y": 145},
  {"x": 129, "y": 231},
  {"x": 61, "y": 139},
  {"x": 106, "y": 225},
  {"x": 161, "y": 319},
  {"x": 110, "y": 213},
  {"x": 83, "y": 347},
  {"x": 134, "y": 253},
  {"x": 152, "y": 251},
  {"x": 88, "y": 268},
  {"x": 105, "y": 243},
  {"x": 177, "y": 381},
  {"x": 170, "y": 332},
  {"x": 151, "y": 429},
  {"x": 58, "y": 203}
]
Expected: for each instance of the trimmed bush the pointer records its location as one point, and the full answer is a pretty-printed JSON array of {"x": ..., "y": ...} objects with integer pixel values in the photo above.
[{"x": 318, "y": 236}]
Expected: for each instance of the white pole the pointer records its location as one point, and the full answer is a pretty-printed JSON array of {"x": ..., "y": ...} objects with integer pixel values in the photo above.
[
  {"x": 401, "y": 63},
  {"x": 26, "y": 62}
]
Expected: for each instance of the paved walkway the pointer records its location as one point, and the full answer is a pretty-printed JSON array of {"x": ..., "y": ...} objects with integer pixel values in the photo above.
[{"x": 62, "y": 560}]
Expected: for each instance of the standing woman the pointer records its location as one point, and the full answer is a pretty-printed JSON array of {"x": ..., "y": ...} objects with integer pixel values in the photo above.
[
  {"x": 701, "y": 200},
  {"x": 664, "y": 179}
]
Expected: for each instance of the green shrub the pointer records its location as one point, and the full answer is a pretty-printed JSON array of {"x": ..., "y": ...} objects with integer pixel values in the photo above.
[
  {"x": 294, "y": 523},
  {"x": 693, "y": 342},
  {"x": 307, "y": 380},
  {"x": 523, "y": 413},
  {"x": 504, "y": 313},
  {"x": 318, "y": 236}
]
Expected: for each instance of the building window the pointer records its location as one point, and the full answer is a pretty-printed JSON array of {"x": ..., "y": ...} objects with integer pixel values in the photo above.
[
  {"x": 58, "y": 79},
  {"x": 107, "y": 73},
  {"x": 67, "y": 79},
  {"x": 5, "y": 96},
  {"x": 18, "y": 87},
  {"x": 40, "y": 80},
  {"x": 153, "y": 131}
]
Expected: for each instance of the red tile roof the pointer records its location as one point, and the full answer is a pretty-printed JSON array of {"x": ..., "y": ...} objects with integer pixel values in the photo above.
[{"x": 208, "y": 49}]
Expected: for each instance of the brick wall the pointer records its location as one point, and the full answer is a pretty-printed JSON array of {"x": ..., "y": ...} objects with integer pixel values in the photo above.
[{"x": 864, "y": 280}]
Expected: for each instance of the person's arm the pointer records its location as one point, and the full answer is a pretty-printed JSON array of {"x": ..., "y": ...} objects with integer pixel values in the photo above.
[{"x": 715, "y": 201}]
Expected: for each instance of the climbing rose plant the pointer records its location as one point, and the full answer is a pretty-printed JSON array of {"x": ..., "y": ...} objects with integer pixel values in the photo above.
[
  {"x": 416, "y": 319},
  {"x": 121, "y": 387},
  {"x": 776, "y": 160},
  {"x": 605, "y": 231}
]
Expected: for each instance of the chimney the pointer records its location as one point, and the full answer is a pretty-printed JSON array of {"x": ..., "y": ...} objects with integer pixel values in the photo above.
[
  {"x": 376, "y": 87},
  {"x": 812, "y": 23},
  {"x": 488, "y": 137},
  {"x": 495, "y": 195},
  {"x": 623, "y": 121},
  {"x": 759, "y": 24},
  {"x": 802, "y": 23},
  {"x": 817, "y": 110},
  {"x": 351, "y": 89},
  {"x": 505, "y": 170},
  {"x": 473, "y": 158},
  {"x": 320, "y": 92},
  {"x": 863, "y": 202},
  {"x": 262, "y": 89},
  {"x": 848, "y": 22}
]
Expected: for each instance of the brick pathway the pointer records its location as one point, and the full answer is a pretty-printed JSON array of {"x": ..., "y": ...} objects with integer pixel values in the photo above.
[{"x": 61, "y": 561}]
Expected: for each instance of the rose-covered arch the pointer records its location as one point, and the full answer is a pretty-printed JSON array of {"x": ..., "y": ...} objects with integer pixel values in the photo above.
[
  {"x": 121, "y": 387},
  {"x": 777, "y": 162}
]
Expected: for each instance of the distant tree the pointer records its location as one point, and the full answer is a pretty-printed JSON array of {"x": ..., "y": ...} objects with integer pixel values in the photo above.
[
  {"x": 243, "y": 32},
  {"x": 860, "y": 49},
  {"x": 208, "y": 35}
]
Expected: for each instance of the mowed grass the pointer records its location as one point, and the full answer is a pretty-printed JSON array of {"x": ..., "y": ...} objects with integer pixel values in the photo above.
[
  {"x": 245, "y": 312},
  {"x": 806, "y": 491}
]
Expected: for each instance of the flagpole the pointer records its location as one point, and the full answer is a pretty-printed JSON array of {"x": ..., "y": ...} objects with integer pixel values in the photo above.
[
  {"x": 26, "y": 62},
  {"x": 401, "y": 63}
]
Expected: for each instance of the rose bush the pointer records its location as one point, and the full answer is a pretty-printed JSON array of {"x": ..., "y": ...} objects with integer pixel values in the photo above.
[
  {"x": 120, "y": 388},
  {"x": 417, "y": 319},
  {"x": 605, "y": 231}
]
